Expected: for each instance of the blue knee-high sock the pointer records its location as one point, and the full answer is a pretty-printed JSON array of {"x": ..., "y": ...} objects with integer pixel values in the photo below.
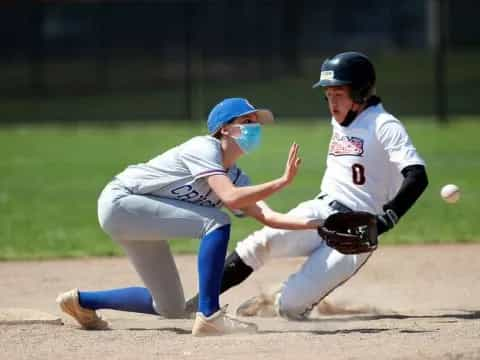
[
  {"x": 133, "y": 299},
  {"x": 211, "y": 256}
]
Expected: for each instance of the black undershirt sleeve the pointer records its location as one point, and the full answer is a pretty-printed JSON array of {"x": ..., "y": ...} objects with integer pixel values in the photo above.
[{"x": 414, "y": 183}]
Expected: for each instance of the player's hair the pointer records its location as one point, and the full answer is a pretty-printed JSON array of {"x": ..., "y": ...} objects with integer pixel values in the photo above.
[{"x": 217, "y": 134}]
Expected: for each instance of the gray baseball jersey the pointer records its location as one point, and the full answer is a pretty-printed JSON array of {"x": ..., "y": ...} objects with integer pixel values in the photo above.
[
  {"x": 166, "y": 198},
  {"x": 180, "y": 173}
]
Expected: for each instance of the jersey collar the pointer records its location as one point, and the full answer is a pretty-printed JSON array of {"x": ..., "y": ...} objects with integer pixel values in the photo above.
[{"x": 373, "y": 101}]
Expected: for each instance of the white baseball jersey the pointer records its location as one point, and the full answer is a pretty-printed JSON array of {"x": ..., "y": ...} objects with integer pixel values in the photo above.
[
  {"x": 180, "y": 173},
  {"x": 365, "y": 160}
]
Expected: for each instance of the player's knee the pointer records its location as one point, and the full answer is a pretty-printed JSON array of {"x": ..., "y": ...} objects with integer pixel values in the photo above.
[
  {"x": 110, "y": 221},
  {"x": 170, "y": 311},
  {"x": 254, "y": 250},
  {"x": 290, "y": 311}
]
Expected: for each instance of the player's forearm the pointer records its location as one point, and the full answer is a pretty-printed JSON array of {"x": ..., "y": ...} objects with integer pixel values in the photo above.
[
  {"x": 284, "y": 221},
  {"x": 289, "y": 223},
  {"x": 241, "y": 197},
  {"x": 414, "y": 184}
]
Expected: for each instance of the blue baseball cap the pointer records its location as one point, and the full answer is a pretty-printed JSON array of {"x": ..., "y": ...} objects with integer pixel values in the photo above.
[{"x": 229, "y": 109}]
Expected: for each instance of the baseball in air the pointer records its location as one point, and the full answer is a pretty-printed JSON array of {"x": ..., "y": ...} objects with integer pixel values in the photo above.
[{"x": 450, "y": 193}]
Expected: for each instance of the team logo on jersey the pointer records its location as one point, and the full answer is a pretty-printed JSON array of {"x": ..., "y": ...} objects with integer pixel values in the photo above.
[{"x": 342, "y": 145}]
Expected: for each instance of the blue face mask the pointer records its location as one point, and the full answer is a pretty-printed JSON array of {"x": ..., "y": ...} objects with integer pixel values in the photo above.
[{"x": 250, "y": 137}]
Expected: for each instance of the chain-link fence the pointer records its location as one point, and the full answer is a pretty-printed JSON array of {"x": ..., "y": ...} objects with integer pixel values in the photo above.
[{"x": 108, "y": 60}]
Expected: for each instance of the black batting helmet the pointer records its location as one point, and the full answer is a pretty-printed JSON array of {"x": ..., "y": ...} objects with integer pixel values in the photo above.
[{"x": 349, "y": 68}]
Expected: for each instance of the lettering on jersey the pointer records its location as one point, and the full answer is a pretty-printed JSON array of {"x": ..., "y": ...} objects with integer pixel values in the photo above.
[
  {"x": 342, "y": 145},
  {"x": 188, "y": 194}
]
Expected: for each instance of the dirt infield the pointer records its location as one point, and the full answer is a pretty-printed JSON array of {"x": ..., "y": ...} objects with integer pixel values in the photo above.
[{"x": 418, "y": 302}]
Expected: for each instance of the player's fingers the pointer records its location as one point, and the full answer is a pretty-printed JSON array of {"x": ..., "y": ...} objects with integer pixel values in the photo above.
[
  {"x": 292, "y": 162},
  {"x": 290, "y": 155},
  {"x": 293, "y": 150},
  {"x": 297, "y": 147},
  {"x": 296, "y": 166}
]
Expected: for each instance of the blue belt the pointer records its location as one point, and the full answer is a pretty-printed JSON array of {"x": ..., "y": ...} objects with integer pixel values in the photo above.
[{"x": 336, "y": 205}]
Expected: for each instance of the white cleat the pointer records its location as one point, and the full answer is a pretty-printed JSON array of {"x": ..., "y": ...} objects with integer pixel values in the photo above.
[
  {"x": 87, "y": 318},
  {"x": 220, "y": 323}
]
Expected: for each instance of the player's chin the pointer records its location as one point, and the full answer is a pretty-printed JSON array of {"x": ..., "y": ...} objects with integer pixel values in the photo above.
[{"x": 338, "y": 116}]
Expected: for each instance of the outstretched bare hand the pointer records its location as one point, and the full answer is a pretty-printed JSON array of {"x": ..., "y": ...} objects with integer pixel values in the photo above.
[{"x": 293, "y": 163}]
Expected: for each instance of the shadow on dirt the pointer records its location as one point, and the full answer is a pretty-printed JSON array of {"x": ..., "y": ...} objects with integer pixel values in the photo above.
[
  {"x": 175, "y": 330},
  {"x": 343, "y": 331},
  {"x": 461, "y": 315},
  {"x": 180, "y": 331}
]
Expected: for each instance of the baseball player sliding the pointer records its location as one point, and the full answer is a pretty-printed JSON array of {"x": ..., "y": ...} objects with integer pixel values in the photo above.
[
  {"x": 179, "y": 194},
  {"x": 372, "y": 166}
]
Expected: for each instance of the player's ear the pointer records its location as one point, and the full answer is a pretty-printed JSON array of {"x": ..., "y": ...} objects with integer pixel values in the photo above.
[
  {"x": 224, "y": 131},
  {"x": 220, "y": 132}
]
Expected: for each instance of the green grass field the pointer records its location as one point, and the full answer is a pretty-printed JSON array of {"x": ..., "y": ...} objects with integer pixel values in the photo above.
[{"x": 50, "y": 177}]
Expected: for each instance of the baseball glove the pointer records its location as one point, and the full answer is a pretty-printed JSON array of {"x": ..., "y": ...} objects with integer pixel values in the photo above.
[{"x": 351, "y": 232}]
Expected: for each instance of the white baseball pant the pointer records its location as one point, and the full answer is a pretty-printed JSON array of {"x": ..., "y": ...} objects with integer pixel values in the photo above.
[{"x": 324, "y": 269}]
